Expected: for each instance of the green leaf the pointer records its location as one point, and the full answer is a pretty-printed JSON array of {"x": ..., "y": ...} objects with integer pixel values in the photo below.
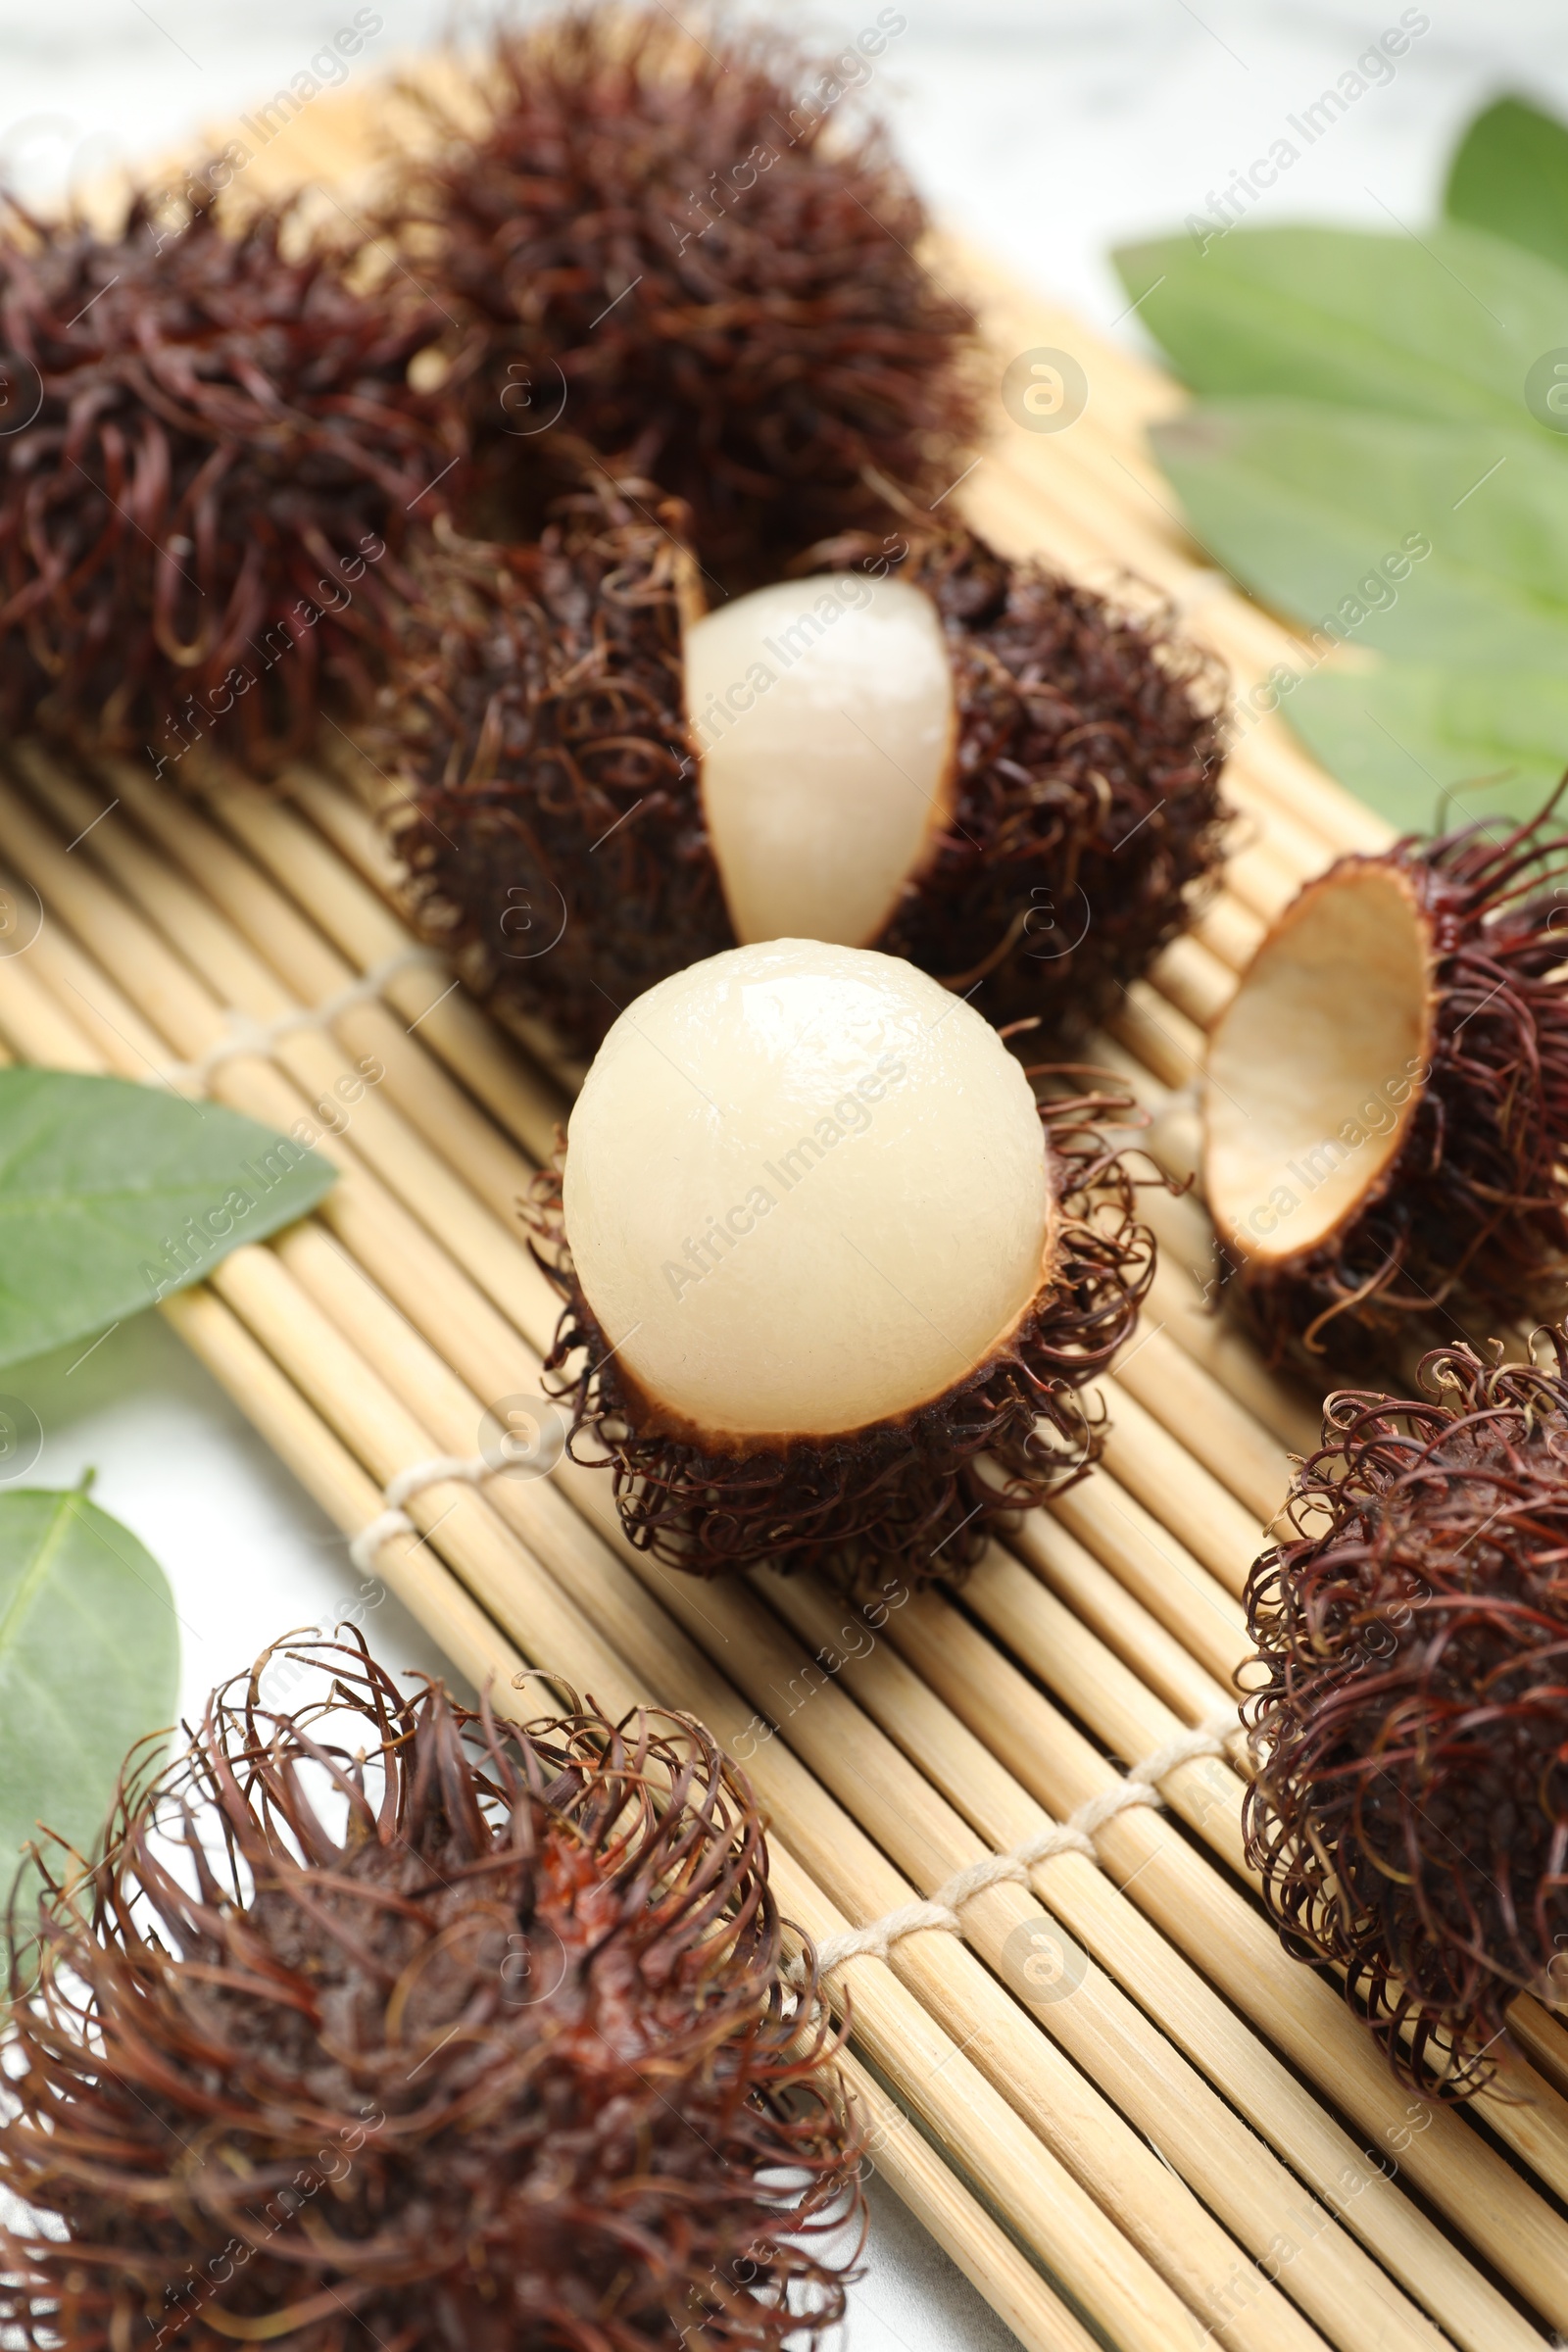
[
  {"x": 89, "y": 1662},
  {"x": 1448, "y": 327},
  {"x": 1430, "y": 748},
  {"x": 114, "y": 1195},
  {"x": 1510, "y": 175},
  {"x": 1325, "y": 512}
]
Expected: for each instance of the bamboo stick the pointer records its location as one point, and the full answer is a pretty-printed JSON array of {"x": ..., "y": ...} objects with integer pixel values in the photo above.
[
  {"x": 1078, "y": 1894},
  {"x": 1193, "y": 979},
  {"x": 943, "y": 2085},
  {"x": 1201, "y": 1414},
  {"x": 1149, "y": 1562},
  {"x": 1129, "y": 1718},
  {"x": 960, "y": 2223},
  {"x": 364, "y": 928},
  {"x": 489, "y": 1252},
  {"x": 1188, "y": 1499},
  {"x": 1161, "y": 1036},
  {"x": 310, "y": 971},
  {"x": 1230, "y": 930}
]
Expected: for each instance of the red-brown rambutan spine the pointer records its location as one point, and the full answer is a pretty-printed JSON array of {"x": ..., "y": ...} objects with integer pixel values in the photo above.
[
  {"x": 548, "y": 790},
  {"x": 547, "y": 809},
  {"x": 201, "y": 524},
  {"x": 687, "y": 255},
  {"x": 1409, "y": 1815},
  {"x": 379, "y": 2023},
  {"x": 1468, "y": 1225},
  {"x": 912, "y": 1500}
]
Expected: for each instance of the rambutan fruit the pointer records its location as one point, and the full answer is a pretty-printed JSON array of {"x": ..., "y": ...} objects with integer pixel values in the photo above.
[
  {"x": 381, "y": 2022},
  {"x": 962, "y": 760},
  {"x": 1385, "y": 1109},
  {"x": 690, "y": 252},
  {"x": 210, "y": 458},
  {"x": 833, "y": 1279},
  {"x": 1409, "y": 1815}
]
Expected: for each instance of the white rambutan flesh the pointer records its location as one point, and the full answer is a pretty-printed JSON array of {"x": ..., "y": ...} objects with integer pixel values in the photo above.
[
  {"x": 825, "y": 717},
  {"x": 1315, "y": 1067},
  {"x": 805, "y": 1190}
]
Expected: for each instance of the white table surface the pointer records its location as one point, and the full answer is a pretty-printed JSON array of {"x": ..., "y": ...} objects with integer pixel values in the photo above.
[{"x": 1049, "y": 128}]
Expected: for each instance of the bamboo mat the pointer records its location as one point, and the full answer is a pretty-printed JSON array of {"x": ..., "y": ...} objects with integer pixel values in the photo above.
[{"x": 1125, "y": 2113}]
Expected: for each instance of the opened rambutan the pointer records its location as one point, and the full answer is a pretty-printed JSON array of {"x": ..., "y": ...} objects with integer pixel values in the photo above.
[
  {"x": 964, "y": 761},
  {"x": 690, "y": 253},
  {"x": 834, "y": 1280},
  {"x": 1409, "y": 1815},
  {"x": 380, "y": 2023},
  {"x": 1386, "y": 1110},
  {"x": 213, "y": 459}
]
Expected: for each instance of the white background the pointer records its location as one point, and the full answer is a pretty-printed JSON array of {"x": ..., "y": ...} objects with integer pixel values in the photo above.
[{"x": 1049, "y": 128}]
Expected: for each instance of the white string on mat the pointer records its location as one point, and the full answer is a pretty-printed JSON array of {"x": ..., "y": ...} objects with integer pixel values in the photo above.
[
  {"x": 470, "y": 1468},
  {"x": 247, "y": 1035},
  {"x": 1074, "y": 1835}
]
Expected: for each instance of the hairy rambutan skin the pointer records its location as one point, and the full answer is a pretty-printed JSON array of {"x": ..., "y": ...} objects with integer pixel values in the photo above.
[
  {"x": 689, "y": 256},
  {"x": 1468, "y": 1224},
  {"x": 201, "y": 525},
  {"x": 549, "y": 789},
  {"x": 1409, "y": 1815},
  {"x": 1089, "y": 817},
  {"x": 548, "y": 817},
  {"x": 498, "y": 2060},
  {"x": 912, "y": 1499}
]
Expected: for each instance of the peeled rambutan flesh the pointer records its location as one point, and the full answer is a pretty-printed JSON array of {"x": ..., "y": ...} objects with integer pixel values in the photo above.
[
  {"x": 1409, "y": 1815},
  {"x": 926, "y": 750},
  {"x": 689, "y": 251},
  {"x": 834, "y": 1281},
  {"x": 380, "y": 2023},
  {"x": 218, "y": 460},
  {"x": 1386, "y": 1110}
]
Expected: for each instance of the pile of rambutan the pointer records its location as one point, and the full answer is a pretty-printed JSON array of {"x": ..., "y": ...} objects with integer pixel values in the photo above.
[
  {"x": 383, "y": 2023},
  {"x": 1409, "y": 1815}
]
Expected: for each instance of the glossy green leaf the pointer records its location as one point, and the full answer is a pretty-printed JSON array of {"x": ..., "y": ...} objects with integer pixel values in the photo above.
[
  {"x": 114, "y": 1195},
  {"x": 89, "y": 1663},
  {"x": 1432, "y": 543},
  {"x": 1510, "y": 176},
  {"x": 1431, "y": 748},
  {"x": 1447, "y": 325}
]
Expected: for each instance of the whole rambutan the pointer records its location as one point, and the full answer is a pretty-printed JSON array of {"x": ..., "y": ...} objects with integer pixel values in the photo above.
[
  {"x": 834, "y": 1281},
  {"x": 379, "y": 2022},
  {"x": 690, "y": 253},
  {"x": 1385, "y": 1113},
  {"x": 956, "y": 758},
  {"x": 214, "y": 459},
  {"x": 1409, "y": 1815}
]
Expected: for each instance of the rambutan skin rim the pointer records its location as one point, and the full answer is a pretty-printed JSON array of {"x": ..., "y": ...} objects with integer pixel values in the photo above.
[
  {"x": 1468, "y": 1224},
  {"x": 903, "y": 1498},
  {"x": 1413, "y": 1634}
]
